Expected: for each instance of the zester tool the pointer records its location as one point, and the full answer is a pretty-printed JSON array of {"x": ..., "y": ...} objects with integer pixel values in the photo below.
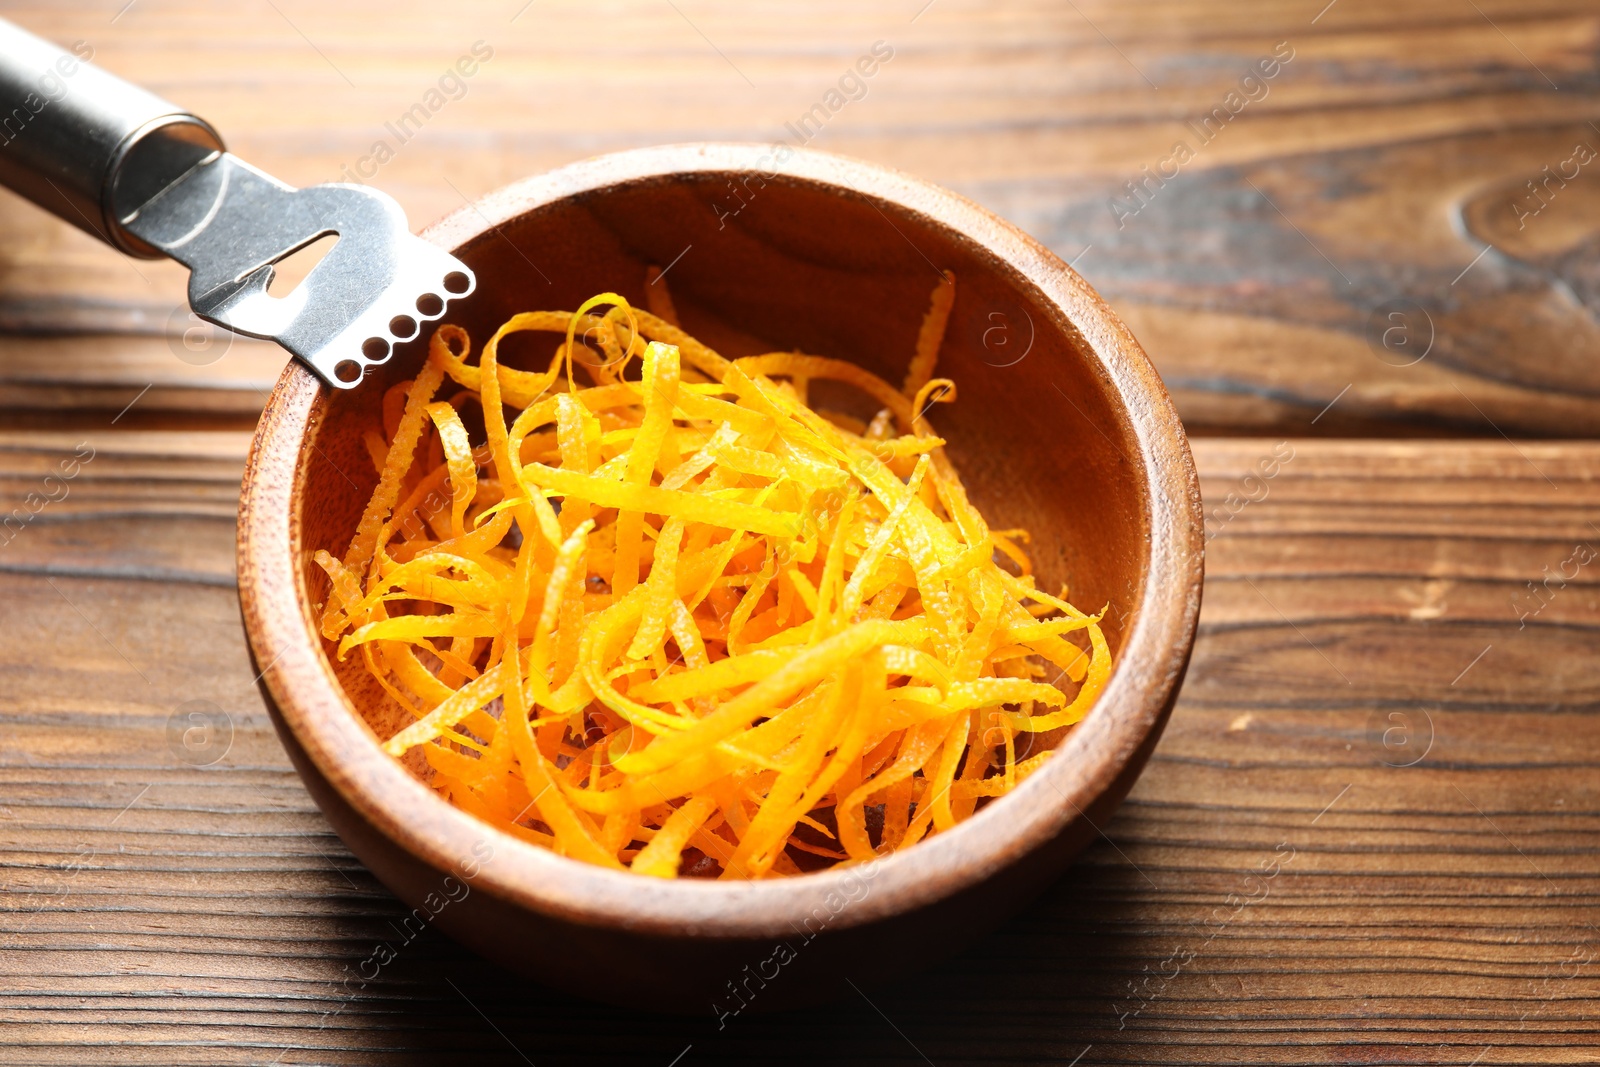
[{"x": 153, "y": 180}]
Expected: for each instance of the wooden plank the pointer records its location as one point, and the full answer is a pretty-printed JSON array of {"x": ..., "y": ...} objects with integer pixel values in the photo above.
[
  {"x": 1386, "y": 161},
  {"x": 137, "y": 380},
  {"x": 1280, "y": 888},
  {"x": 147, "y": 506}
]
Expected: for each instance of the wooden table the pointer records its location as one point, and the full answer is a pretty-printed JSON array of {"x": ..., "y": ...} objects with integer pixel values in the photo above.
[{"x": 1382, "y": 709}]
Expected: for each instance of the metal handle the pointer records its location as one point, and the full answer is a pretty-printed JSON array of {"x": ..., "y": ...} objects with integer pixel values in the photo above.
[{"x": 85, "y": 144}]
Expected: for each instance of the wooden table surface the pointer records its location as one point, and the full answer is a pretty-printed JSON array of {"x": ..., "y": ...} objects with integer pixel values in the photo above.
[{"x": 1380, "y": 704}]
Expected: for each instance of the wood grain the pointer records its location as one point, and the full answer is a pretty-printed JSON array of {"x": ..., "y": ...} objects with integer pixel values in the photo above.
[
  {"x": 134, "y": 379},
  {"x": 1418, "y": 914},
  {"x": 1375, "y": 168},
  {"x": 1445, "y": 913}
]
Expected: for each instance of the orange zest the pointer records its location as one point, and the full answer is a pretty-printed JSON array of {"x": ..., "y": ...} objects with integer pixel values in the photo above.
[{"x": 651, "y": 610}]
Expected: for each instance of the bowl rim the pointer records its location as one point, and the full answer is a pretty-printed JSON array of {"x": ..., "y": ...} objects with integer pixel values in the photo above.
[{"x": 1149, "y": 667}]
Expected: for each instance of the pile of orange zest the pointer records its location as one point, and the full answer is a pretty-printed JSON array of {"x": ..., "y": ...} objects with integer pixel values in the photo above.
[{"x": 669, "y": 615}]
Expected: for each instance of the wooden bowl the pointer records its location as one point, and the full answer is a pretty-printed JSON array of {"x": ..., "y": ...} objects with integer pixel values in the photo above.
[{"x": 1061, "y": 426}]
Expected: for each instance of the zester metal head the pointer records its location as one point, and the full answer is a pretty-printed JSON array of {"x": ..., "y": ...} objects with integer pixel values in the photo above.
[{"x": 229, "y": 223}]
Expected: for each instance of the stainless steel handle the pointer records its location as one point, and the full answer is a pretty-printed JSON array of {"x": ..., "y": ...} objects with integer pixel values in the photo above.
[{"x": 85, "y": 144}]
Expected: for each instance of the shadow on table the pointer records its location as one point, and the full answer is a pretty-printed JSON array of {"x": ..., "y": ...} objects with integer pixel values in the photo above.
[{"x": 1041, "y": 989}]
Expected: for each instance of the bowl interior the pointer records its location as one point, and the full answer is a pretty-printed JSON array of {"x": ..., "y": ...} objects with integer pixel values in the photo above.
[{"x": 1037, "y": 436}]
